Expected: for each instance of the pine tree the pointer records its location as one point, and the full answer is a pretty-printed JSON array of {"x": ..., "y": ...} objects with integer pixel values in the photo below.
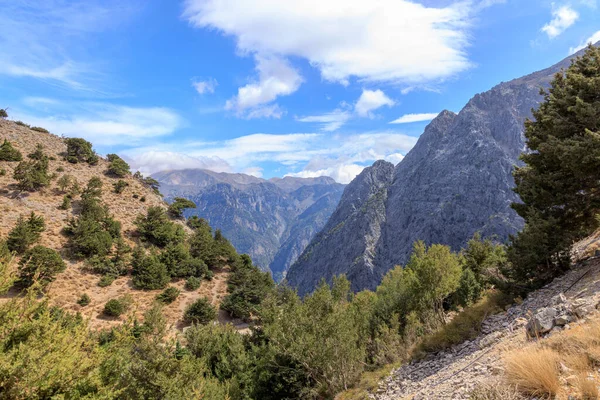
[
  {"x": 559, "y": 184},
  {"x": 9, "y": 153}
]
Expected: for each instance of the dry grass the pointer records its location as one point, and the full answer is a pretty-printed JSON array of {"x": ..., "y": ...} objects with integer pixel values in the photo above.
[
  {"x": 534, "y": 371},
  {"x": 496, "y": 391},
  {"x": 587, "y": 387},
  {"x": 369, "y": 381}
]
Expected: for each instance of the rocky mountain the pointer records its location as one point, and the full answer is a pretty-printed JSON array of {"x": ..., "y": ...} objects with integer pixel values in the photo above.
[
  {"x": 271, "y": 220},
  {"x": 456, "y": 181}
]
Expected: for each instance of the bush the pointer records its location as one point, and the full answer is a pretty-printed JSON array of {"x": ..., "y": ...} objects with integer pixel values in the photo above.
[
  {"x": 25, "y": 233},
  {"x": 39, "y": 129},
  {"x": 66, "y": 202},
  {"x": 40, "y": 264},
  {"x": 33, "y": 175},
  {"x": 2, "y": 172},
  {"x": 179, "y": 204},
  {"x": 156, "y": 228},
  {"x": 3, "y": 113},
  {"x": 200, "y": 312},
  {"x": 106, "y": 280},
  {"x": 80, "y": 150},
  {"x": 21, "y": 123},
  {"x": 192, "y": 283},
  {"x": 168, "y": 295},
  {"x": 9, "y": 153},
  {"x": 119, "y": 186},
  {"x": 64, "y": 182},
  {"x": 84, "y": 300},
  {"x": 117, "y": 167},
  {"x": 148, "y": 272},
  {"x": 60, "y": 169},
  {"x": 174, "y": 257},
  {"x": 116, "y": 307}
]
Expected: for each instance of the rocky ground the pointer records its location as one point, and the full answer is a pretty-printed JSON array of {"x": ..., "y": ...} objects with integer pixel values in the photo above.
[{"x": 453, "y": 374}]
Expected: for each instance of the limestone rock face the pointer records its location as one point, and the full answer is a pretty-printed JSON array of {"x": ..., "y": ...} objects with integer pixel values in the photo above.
[{"x": 457, "y": 180}]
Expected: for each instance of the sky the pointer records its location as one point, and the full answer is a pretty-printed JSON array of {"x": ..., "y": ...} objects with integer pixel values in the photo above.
[{"x": 269, "y": 87}]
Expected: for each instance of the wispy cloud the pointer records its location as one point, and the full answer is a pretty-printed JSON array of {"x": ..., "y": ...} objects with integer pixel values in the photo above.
[
  {"x": 329, "y": 121},
  {"x": 206, "y": 86},
  {"x": 595, "y": 38},
  {"x": 562, "y": 18},
  {"x": 409, "y": 118},
  {"x": 371, "y": 100}
]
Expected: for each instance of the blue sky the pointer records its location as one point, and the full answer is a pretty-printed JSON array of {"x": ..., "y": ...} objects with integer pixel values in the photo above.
[{"x": 269, "y": 87}]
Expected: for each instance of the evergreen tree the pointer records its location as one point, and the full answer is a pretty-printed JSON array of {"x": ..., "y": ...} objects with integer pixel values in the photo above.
[
  {"x": 117, "y": 167},
  {"x": 559, "y": 185},
  {"x": 25, "y": 233},
  {"x": 179, "y": 204},
  {"x": 156, "y": 228},
  {"x": 9, "y": 153},
  {"x": 148, "y": 272},
  {"x": 40, "y": 264},
  {"x": 33, "y": 175},
  {"x": 80, "y": 150}
]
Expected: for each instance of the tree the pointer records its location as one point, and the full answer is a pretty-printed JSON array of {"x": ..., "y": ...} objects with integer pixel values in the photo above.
[
  {"x": 3, "y": 113},
  {"x": 80, "y": 150},
  {"x": 202, "y": 244},
  {"x": 200, "y": 312},
  {"x": 179, "y": 204},
  {"x": 559, "y": 185},
  {"x": 25, "y": 233},
  {"x": 116, "y": 307},
  {"x": 117, "y": 167},
  {"x": 119, "y": 186},
  {"x": 9, "y": 153},
  {"x": 33, "y": 175},
  {"x": 156, "y": 228},
  {"x": 168, "y": 295},
  {"x": 40, "y": 264},
  {"x": 64, "y": 182},
  {"x": 148, "y": 272}
]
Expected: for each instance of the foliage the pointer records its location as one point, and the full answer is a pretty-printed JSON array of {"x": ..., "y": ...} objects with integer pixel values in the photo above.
[
  {"x": 39, "y": 129},
  {"x": 64, "y": 182},
  {"x": 558, "y": 184},
  {"x": 25, "y": 233},
  {"x": 9, "y": 153},
  {"x": 175, "y": 257},
  {"x": 117, "y": 167},
  {"x": 3, "y": 113},
  {"x": 80, "y": 150},
  {"x": 40, "y": 265},
  {"x": 148, "y": 272},
  {"x": 119, "y": 186},
  {"x": 84, "y": 300},
  {"x": 200, "y": 312},
  {"x": 192, "y": 283},
  {"x": 66, "y": 202},
  {"x": 33, "y": 175},
  {"x": 179, "y": 204},
  {"x": 156, "y": 228},
  {"x": 168, "y": 295}
]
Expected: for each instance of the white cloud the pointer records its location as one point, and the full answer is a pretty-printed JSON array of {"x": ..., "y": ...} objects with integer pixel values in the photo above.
[
  {"x": 151, "y": 161},
  {"x": 330, "y": 121},
  {"x": 207, "y": 86},
  {"x": 383, "y": 40},
  {"x": 589, "y": 3},
  {"x": 105, "y": 124},
  {"x": 254, "y": 171},
  {"x": 276, "y": 77},
  {"x": 342, "y": 173},
  {"x": 408, "y": 118},
  {"x": 595, "y": 38},
  {"x": 371, "y": 100},
  {"x": 562, "y": 18}
]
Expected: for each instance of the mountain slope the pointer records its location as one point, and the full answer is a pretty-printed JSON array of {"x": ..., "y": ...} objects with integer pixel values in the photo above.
[
  {"x": 271, "y": 220},
  {"x": 457, "y": 180}
]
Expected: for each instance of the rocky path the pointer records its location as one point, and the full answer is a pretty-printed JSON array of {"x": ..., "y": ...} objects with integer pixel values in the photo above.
[{"x": 454, "y": 373}]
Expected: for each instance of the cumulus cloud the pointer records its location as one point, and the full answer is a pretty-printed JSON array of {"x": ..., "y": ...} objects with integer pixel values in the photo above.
[
  {"x": 371, "y": 100},
  {"x": 409, "y": 118},
  {"x": 329, "y": 121},
  {"x": 207, "y": 86},
  {"x": 149, "y": 161},
  {"x": 397, "y": 41},
  {"x": 562, "y": 18},
  {"x": 595, "y": 38},
  {"x": 276, "y": 77}
]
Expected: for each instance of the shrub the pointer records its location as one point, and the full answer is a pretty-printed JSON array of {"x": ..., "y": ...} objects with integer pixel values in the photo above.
[
  {"x": 143, "y": 199},
  {"x": 116, "y": 307},
  {"x": 60, "y": 169},
  {"x": 106, "y": 280},
  {"x": 168, "y": 295},
  {"x": 191, "y": 267},
  {"x": 534, "y": 371},
  {"x": 117, "y": 167},
  {"x": 25, "y": 233},
  {"x": 84, "y": 300},
  {"x": 40, "y": 264},
  {"x": 2, "y": 172},
  {"x": 21, "y": 123},
  {"x": 9, "y": 153},
  {"x": 32, "y": 175},
  {"x": 64, "y": 182},
  {"x": 148, "y": 272},
  {"x": 39, "y": 129},
  {"x": 179, "y": 204},
  {"x": 174, "y": 257},
  {"x": 3, "y": 113},
  {"x": 80, "y": 150},
  {"x": 200, "y": 312},
  {"x": 66, "y": 202},
  {"x": 192, "y": 283},
  {"x": 156, "y": 228},
  {"x": 119, "y": 186}
]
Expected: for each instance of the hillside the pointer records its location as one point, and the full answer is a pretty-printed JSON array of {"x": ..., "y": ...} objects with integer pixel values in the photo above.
[
  {"x": 457, "y": 180},
  {"x": 136, "y": 199},
  {"x": 271, "y": 220}
]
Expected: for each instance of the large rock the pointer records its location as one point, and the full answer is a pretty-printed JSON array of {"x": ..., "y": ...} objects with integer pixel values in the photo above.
[{"x": 542, "y": 322}]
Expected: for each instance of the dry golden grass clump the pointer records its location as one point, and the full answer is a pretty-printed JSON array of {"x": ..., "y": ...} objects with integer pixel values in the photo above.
[{"x": 566, "y": 364}]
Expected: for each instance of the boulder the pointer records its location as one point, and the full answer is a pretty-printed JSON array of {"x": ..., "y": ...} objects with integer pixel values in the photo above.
[
  {"x": 559, "y": 299},
  {"x": 581, "y": 308},
  {"x": 562, "y": 320},
  {"x": 542, "y": 322}
]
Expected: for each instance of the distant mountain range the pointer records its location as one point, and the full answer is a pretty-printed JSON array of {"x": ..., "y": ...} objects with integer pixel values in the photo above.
[
  {"x": 271, "y": 220},
  {"x": 457, "y": 180}
]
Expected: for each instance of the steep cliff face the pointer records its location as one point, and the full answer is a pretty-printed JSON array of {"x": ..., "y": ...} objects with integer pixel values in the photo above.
[
  {"x": 272, "y": 220},
  {"x": 456, "y": 181}
]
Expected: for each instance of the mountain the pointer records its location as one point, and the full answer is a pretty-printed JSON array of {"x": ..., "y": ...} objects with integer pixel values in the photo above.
[
  {"x": 456, "y": 181},
  {"x": 271, "y": 220}
]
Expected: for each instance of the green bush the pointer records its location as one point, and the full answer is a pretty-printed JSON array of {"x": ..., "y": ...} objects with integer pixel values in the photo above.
[
  {"x": 179, "y": 204},
  {"x": 40, "y": 264},
  {"x": 106, "y": 280},
  {"x": 39, "y": 129},
  {"x": 80, "y": 150},
  {"x": 84, "y": 300},
  {"x": 3, "y": 113},
  {"x": 200, "y": 312},
  {"x": 9, "y": 153},
  {"x": 66, "y": 202},
  {"x": 174, "y": 257},
  {"x": 192, "y": 283},
  {"x": 33, "y": 175},
  {"x": 25, "y": 233},
  {"x": 60, "y": 169},
  {"x": 168, "y": 295},
  {"x": 119, "y": 186},
  {"x": 148, "y": 272},
  {"x": 156, "y": 228},
  {"x": 116, "y": 307},
  {"x": 64, "y": 182},
  {"x": 21, "y": 123},
  {"x": 117, "y": 167}
]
